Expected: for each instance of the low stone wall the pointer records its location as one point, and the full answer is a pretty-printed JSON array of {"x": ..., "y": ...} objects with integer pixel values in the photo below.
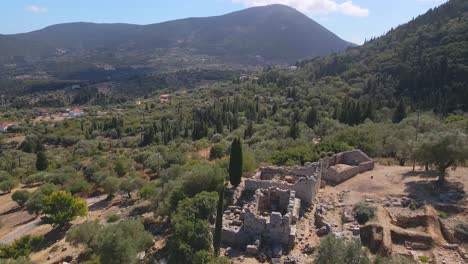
[{"x": 357, "y": 159}]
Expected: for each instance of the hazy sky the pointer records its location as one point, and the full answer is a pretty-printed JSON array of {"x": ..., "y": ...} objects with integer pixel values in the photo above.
[{"x": 351, "y": 20}]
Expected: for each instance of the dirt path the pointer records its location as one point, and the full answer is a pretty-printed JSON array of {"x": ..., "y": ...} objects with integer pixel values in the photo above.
[{"x": 24, "y": 229}]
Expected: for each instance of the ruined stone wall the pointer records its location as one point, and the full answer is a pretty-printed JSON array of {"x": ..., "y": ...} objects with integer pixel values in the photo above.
[
  {"x": 359, "y": 161},
  {"x": 306, "y": 186}
]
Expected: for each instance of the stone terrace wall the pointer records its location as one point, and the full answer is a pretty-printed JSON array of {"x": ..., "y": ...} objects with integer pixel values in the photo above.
[{"x": 359, "y": 161}]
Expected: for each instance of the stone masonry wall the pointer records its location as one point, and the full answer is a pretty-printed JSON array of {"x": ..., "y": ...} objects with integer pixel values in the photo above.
[{"x": 359, "y": 161}]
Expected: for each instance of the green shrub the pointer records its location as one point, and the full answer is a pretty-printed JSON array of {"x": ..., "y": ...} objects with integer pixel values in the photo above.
[
  {"x": 217, "y": 151},
  {"x": 363, "y": 212},
  {"x": 442, "y": 214},
  {"x": 21, "y": 247},
  {"x": 21, "y": 197},
  {"x": 113, "y": 218},
  {"x": 339, "y": 251},
  {"x": 424, "y": 259}
]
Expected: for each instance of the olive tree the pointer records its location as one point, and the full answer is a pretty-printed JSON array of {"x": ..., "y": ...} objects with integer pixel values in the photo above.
[{"x": 443, "y": 150}]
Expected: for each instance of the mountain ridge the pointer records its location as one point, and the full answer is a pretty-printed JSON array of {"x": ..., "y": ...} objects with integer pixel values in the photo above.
[{"x": 267, "y": 35}]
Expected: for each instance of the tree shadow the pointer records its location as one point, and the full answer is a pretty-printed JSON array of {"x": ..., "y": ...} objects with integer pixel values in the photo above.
[
  {"x": 26, "y": 221},
  {"x": 12, "y": 210},
  {"x": 421, "y": 174},
  {"x": 54, "y": 236},
  {"x": 100, "y": 205},
  {"x": 430, "y": 192}
]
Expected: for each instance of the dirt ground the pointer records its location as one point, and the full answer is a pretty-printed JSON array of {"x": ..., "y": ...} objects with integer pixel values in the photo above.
[
  {"x": 50, "y": 118},
  {"x": 11, "y": 216},
  {"x": 17, "y": 138}
]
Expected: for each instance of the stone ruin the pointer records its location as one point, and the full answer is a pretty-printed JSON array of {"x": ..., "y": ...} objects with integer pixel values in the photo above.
[
  {"x": 266, "y": 213},
  {"x": 343, "y": 166},
  {"x": 269, "y": 219}
]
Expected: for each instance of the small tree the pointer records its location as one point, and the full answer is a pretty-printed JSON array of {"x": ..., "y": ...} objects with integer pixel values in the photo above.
[
  {"x": 312, "y": 117},
  {"x": 128, "y": 185},
  {"x": 217, "y": 151},
  {"x": 110, "y": 185},
  {"x": 114, "y": 244},
  {"x": 443, "y": 150},
  {"x": 120, "y": 243},
  {"x": 21, "y": 197},
  {"x": 335, "y": 250},
  {"x": 41, "y": 161},
  {"x": 61, "y": 207},
  {"x": 235, "y": 162},
  {"x": 8, "y": 185},
  {"x": 34, "y": 204}
]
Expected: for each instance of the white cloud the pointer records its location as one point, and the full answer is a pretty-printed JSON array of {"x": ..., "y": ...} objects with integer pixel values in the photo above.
[
  {"x": 313, "y": 6},
  {"x": 36, "y": 9}
]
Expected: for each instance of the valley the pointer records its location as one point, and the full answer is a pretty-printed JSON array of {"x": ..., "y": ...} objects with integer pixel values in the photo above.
[{"x": 224, "y": 139}]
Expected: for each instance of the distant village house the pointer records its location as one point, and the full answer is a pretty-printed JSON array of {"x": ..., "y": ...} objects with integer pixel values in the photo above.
[
  {"x": 42, "y": 112},
  {"x": 5, "y": 125},
  {"x": 164, "y": 98},
  {"x": 75, "y": 112}
]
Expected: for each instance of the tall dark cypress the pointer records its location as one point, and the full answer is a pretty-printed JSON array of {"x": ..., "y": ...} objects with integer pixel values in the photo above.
[
  {"x": 312, "y": 117},
  {"x": 219, "y": 222},
  {"x": 235, "y": 162},
  {"x": 400, "y": 112},
  {"x": 41, "y": 161}
]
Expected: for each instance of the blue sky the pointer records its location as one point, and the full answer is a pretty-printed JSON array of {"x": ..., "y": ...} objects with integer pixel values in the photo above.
[{"x": 351, "y": 20}]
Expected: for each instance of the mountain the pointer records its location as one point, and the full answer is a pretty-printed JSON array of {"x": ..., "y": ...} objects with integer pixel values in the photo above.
[
  {"x": 424, "y": 62},
  {"x": 274, "y": 34}
]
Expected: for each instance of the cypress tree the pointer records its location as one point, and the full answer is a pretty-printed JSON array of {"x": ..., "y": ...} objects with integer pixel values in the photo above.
[
  {"x": 249, "y": 130},
  {"x": 312, "y": 117},
  {"x": 41, "y": 161},
  {"x": 235, "y": 162},
  {"x": 219, "y": 222},
  {"x": 400, "y": 112}
]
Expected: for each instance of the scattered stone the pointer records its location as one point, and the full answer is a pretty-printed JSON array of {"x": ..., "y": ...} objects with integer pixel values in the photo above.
[
  {"x": 261, "y": 257},
  {"x": 368, "y": 200},
  {"x": 356, "y": 231},
  {"x": 405, "y": 202},
  {"x": 236, "y": 222},
  {"x": 450, "y": 246},
  {"x": 323, "y": 231},
  {"x": 275, "y": 261},
  {"x": 277, "y": 251},
  {"x": 251, "y": 250},
  {"x": 308, "y": 249},
  {"x": 64, "y": 249},
  {"x": 229, "y": 252},
  {"x": 141, "y": 255},
  {"x": 347, "y": 216},
  {"x": 417, "y": 246}
]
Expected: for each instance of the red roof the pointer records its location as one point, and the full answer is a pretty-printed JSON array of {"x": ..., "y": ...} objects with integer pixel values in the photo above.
[
  {"x": 76, "y": 110},
  {"x": 5, "y": 124}
]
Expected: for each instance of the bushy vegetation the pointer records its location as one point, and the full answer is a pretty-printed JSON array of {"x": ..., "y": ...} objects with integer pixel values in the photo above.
[
  {"x": 339, "y": 251},
  {"x": 117, "y": 243},
  {"x": 21, "y": 247},
  {"x": 363, "y": 212}
]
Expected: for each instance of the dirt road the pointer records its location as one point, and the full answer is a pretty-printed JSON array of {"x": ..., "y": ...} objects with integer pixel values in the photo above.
[{"x": 37, "y": 222}]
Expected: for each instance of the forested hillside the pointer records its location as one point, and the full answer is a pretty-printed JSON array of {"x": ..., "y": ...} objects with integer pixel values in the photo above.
[{"x": 424, "y": 61}]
